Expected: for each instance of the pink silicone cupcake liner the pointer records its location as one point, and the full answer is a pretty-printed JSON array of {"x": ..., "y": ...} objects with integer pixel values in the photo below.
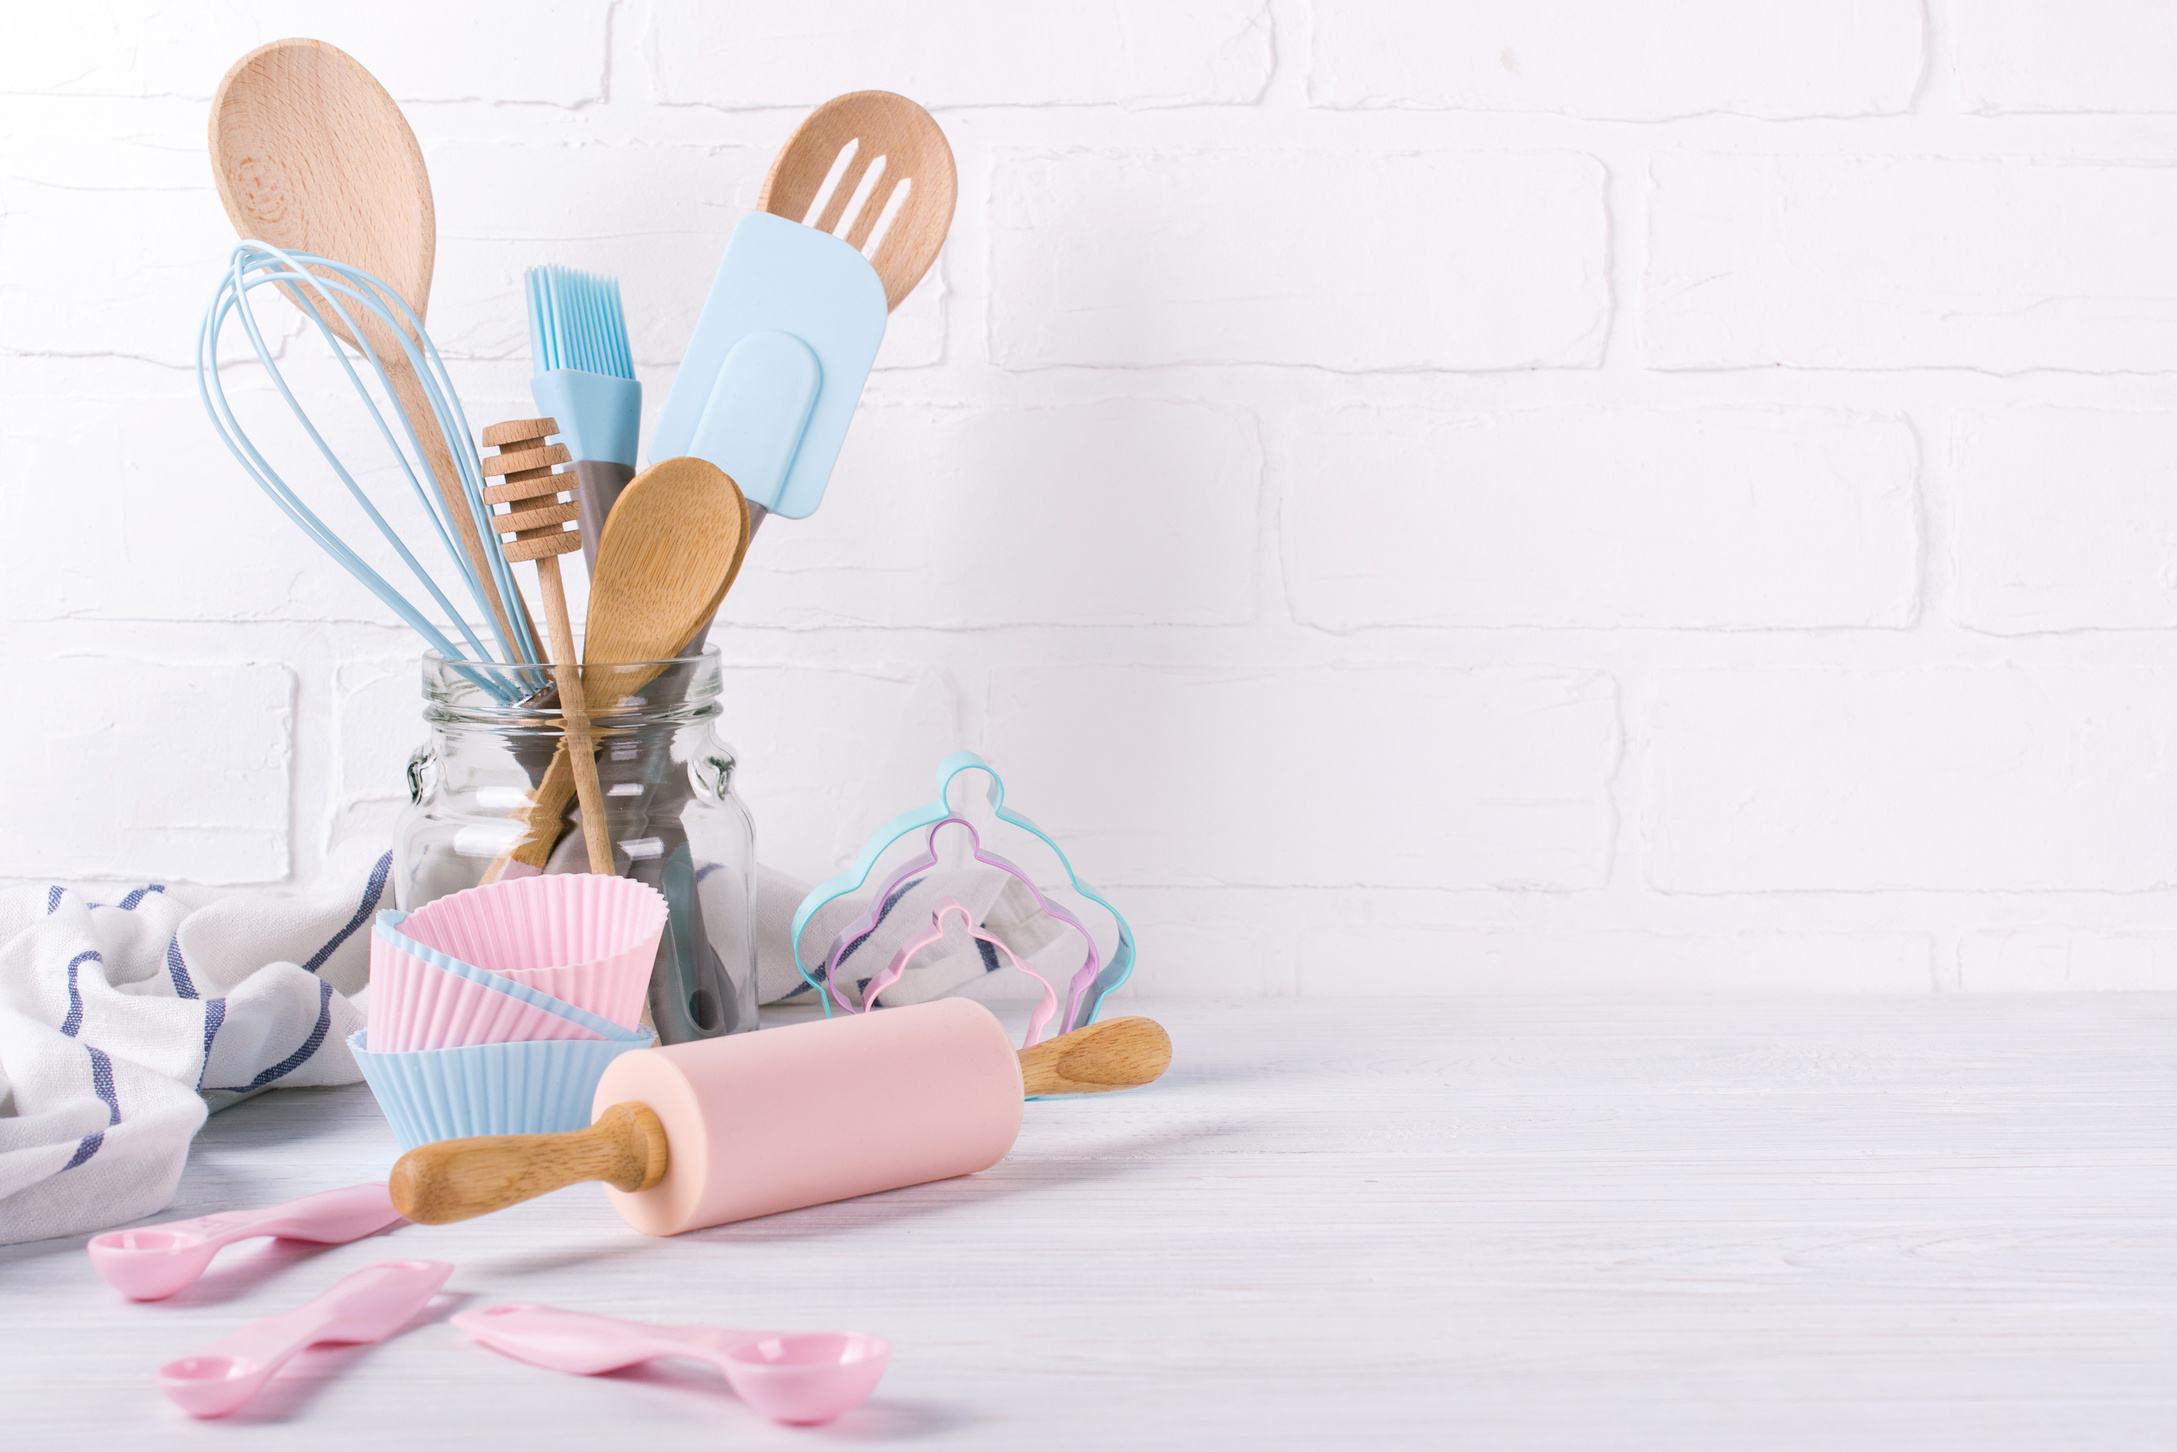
[
  {"x": 418, "y": 1004},
  {"x": 609, "y": 989},
  {"x": 582, "y": 938}
]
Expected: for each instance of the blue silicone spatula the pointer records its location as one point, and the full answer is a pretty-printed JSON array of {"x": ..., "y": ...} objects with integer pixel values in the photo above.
[{"x": 850, "y": 218}]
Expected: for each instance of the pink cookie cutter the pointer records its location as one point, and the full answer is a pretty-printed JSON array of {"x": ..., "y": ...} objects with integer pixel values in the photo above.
[
  {"x": 866, "y": 924},
  {"x": 946, "y": 907}
]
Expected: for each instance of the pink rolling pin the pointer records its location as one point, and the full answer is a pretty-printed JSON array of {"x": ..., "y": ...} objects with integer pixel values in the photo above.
[{"x": 726, "y": 1129}]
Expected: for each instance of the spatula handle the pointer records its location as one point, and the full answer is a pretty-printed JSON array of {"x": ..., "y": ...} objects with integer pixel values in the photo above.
[
  {"x": 459, "y": 1179},
  {"x": 602, "y": 481},
  {"x": 1119, "y": 1054}
]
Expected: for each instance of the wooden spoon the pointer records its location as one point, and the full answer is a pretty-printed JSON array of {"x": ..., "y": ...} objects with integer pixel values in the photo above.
[
  {"x": 311, "y": 155},
  {"x": 880, "y": 126},
  {"x": 670, "y": 552}
]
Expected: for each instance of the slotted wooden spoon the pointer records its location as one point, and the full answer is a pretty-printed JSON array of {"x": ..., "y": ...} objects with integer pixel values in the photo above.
[
  {"x": 311, "y": 155},
  {"x": 880, "y": 127},
  {"x": 670, "y": 552}
]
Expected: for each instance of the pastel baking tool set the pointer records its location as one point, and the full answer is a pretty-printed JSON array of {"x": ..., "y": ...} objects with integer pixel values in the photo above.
[
  {"x": 368, "y": 1306},
  {"x": 154, "y": 1262},
  {"x": 1092, "y": 983},
  {"x": 801, "y": 1379},
  {"x": 507, "y": 1043},
  {"x": 725, "y": 1129}
]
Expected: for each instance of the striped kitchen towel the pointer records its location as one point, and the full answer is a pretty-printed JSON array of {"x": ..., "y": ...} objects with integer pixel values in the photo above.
[{"x": 126, "y": 1016}]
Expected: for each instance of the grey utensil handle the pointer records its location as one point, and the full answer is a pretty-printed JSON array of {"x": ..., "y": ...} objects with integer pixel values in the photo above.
[{"x": 601, "y": 485}]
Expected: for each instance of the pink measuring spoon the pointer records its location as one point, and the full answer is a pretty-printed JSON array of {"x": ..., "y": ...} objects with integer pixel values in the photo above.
[
  {"x": 946, "y": 907},
  {"x": 153, "y": 1263},
  {"x": 800, "y": 1379},
  {"x": 368, "y": 1306}
]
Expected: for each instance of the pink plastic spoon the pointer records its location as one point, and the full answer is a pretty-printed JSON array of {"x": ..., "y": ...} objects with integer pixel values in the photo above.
[
  {"x": 153, "y": 1263},
  {"x": 368, "y": 1306},
  {"x": 801, "y": 1379}
]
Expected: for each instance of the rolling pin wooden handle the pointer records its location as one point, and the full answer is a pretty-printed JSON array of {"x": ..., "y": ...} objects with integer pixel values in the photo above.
[
  {"x": 1118, "y": 1054},
  {"x": 458, "y": 1179}
]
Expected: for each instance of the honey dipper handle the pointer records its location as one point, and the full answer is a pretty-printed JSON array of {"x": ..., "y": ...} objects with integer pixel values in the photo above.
[
  {"x": 459, "y": 1179},
  {"x": 574, "y": 711},
  {"x": 1119, "y": 1054}
]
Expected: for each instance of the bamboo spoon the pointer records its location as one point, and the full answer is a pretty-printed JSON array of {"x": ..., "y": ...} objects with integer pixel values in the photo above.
[
  {"x": 311, "y": 155},
  {"x": 896, "y": 139},
  {"x": 530, "y": 486},
  {"x": 671, "y": 550}
]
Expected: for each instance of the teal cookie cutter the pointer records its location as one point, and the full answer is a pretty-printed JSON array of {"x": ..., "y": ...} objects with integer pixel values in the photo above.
[{"x": 1087, "y": 997}]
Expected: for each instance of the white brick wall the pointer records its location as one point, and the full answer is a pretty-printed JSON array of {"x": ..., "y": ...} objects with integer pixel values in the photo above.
[{"x": 1559, "y": 496}]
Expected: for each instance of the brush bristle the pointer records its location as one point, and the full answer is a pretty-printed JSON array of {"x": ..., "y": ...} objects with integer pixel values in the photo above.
[{"x": 575, "y": 321}]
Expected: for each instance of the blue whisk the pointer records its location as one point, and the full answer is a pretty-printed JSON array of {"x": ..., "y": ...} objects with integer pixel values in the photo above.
[{"x": 339, "y": 288}]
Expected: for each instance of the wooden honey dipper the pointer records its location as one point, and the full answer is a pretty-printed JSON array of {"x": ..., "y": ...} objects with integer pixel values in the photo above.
[{"x": 530, "y": 485}]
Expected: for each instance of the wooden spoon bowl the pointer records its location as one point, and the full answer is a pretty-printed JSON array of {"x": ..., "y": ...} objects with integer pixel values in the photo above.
[{"x": 311, "y": 155}]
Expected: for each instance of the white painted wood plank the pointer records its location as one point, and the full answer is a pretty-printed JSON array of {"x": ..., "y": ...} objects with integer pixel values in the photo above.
[{"x": 1688, "y": 1223}]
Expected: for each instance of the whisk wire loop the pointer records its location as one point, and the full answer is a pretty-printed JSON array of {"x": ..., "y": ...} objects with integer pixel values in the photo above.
[{"x": 254, "y": 264}]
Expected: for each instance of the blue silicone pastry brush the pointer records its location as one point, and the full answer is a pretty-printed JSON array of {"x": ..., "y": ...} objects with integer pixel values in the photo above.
[{"x": 585, "y": 378}]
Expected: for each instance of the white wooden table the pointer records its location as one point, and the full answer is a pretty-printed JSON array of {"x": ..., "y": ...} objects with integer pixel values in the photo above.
[{"x": 1669, "y": 1223}]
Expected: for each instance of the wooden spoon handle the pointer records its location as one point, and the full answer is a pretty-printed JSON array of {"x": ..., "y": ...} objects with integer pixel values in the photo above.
[
  {"x": 540, "y": 820},
  {"x": 408, "y": 392},
  {"x": 1118, "y": 1054},
  {"x": 459, "y": 1179},
  {"x": 577, "y": 748}
]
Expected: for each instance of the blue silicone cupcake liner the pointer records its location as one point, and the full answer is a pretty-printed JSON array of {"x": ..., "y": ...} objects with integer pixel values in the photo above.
[{"x": 531, "y": 1088}]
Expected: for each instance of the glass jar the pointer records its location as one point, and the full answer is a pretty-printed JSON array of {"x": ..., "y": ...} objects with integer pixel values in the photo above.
[{"x": 668, "y": 789}]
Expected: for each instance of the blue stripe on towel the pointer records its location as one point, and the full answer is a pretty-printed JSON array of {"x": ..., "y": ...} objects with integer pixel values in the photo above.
[
  {"x": 215, "y": 1014},
  {"x": 310, "y": 1046},
  {"x": 128, "y": 904},
  {"x": 371, "y": 894},
  {"x": 102, "y": 1082},
  {"x": 53, "y": 895},
  {"x": 178, "y": 970},
  {"x": 73, "y": 1024},
  {"x": 102, "y": 1085}
]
